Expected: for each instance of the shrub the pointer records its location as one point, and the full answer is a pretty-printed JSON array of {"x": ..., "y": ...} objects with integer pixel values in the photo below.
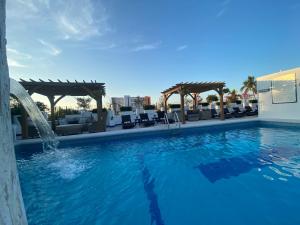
[
  {"x": 125, "y": 108},
  {"x": 95, "y": 110},
  {"x": 204, "y": 104},
  {"x": 253, "y": 101},
  {"x": 238, "y": 102},
  {"x": 174, "y": 106},
  {"x": 149, "y": 107}
]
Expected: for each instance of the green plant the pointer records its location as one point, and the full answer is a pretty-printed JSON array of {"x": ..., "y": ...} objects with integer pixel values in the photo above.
[
  {"x": 125, "y": 108},
  {"x": 212, "y": 98},
  {"x": 95, "y": 110},
  {"x": 15, "y": 106},
  {"x": 233, "y": 96},
  {"x": 226, "y": 90},
  {"x": 149, "y": 107},
  {"x": 42, "y": 107},
  {"x": 174, "y": 106},
  {"x": 253, "y": 101},
  {"x": 84, "y": 103},
  {"x": 249, "y": 85},
  {"x": 204, "y": 104},
  {"x": 238, "y": 102},
  {"x": 61, "y": 112}
]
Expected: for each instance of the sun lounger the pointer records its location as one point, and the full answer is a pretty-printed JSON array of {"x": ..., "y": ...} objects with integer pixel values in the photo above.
[
  {"x": 126, "y": 122},
  {"x": 250, "y": 112},
  {"x": 214, "y": 113},
  {"x": 237, "y": 112},
  {"x": 145, "y": 120}
]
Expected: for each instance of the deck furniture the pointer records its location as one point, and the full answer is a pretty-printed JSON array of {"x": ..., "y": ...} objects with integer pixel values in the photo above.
[
  {"x": 237, "y": 112},
  {"x": 126, "y": 122},
  {"x": 193, "y": 115},
  {"x": 250, "y": 112},
  {"x": 145, "y": 120},
  {"x": 205, "y": 115},
  {"x": 69, "y": 129}
]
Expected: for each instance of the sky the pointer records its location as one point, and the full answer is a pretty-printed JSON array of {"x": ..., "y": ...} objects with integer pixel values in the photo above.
[{"x": 140, "y": 48}]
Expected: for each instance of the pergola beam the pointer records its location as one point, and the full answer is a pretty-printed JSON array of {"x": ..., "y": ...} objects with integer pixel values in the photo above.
[
  {"x": 59, "y": 88},
  {"x": 193, "y": 89}
]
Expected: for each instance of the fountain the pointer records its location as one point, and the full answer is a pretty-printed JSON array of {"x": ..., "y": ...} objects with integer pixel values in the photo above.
[{"x": 46, "y": 133}]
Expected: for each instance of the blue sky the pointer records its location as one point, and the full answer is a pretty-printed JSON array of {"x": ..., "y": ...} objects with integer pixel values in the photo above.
[{"x": 142, "y": 47}]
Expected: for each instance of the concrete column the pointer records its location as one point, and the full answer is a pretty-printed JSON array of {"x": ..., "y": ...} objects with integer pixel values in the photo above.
[
  {"x": 52, "y": 105},
  {"x": 12, "y": 210}
]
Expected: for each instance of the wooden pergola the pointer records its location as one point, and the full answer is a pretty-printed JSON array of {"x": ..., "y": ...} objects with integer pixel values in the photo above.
[
  {"x": 55, "y": 91},
  {"x": 193, "y": 90}
]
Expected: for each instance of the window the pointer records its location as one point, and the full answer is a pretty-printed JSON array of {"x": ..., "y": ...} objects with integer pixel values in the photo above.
[{"x": 284, "y": 89}]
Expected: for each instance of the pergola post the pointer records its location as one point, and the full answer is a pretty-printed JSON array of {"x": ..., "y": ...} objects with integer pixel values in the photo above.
[
  {"x": 195, "y": 101},
  {"x": 99, "y": 113},
  {"x": 165, "y": 103},
  {"x": 52, "y": 104},
  {"x": 221, "y": 104},
  {"x": 182, "y": 107},
  {"x": 24, "y": 123}
]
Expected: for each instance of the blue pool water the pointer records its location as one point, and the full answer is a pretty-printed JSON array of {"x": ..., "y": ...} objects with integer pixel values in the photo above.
[{"x": 248, "y": 174}]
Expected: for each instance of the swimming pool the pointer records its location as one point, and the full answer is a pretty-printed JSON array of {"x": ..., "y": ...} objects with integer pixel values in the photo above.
[{"x": 246, "y": 173}]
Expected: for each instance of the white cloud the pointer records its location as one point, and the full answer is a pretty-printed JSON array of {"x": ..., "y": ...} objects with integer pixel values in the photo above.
[
  {"x": 146, "y": 47},
  {"x": 50, "y": 48},
  {"x": 18, "y": 54},
  {"x": 14, "y": 63},
  {"x": 181, "y": 48},
  {"x": 66, "y": 19},
  {"x": 224, "y": 7},
  {"x": 221, "y": 12}
]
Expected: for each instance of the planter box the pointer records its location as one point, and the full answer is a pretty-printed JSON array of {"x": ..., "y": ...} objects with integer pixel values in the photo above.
[{"x": 205, "y": 115}]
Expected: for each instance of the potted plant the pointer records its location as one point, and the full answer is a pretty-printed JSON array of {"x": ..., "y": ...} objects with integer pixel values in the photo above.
[
  {"x": 126, "y": 110},
  {"x": 174, "y": 107},
  {"x": 204, "y": 105}
]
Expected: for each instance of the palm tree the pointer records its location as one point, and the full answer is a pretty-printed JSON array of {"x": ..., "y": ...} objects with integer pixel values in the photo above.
[
  {"x": 249, "y": 85},
  {"x": 212, "y": 98},
  {"x": 233, "y": 96}
]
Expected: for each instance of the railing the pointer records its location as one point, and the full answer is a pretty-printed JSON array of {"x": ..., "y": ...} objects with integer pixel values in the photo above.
[
  {"x": 166, "y": 120},
  {"x": 177, "y": 121}
]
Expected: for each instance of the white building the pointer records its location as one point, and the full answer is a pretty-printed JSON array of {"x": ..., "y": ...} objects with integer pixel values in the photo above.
[
  {"x": 134, "y": 102},
  {"x": 279, "y": 95}
]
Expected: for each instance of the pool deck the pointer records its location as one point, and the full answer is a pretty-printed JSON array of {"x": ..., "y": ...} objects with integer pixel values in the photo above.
[{"x": 114, "y": 131}]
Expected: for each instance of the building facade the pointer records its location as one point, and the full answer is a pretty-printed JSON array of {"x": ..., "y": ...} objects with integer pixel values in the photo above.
[{"x": 128, "y": 101}]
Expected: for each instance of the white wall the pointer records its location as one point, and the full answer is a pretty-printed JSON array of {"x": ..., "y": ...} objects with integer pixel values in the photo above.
[{"x": 282, "y": 111}]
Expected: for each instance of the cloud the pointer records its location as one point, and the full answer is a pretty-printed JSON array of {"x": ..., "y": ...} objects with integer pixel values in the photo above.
[
  {"x": 66, "y": 19},
  {"x": 50, "y": 48},
  {"x": 146, "y": 47},
  {"x": 224, "y": 6},
  {"x": 181, "y": 48},
  {"x": 221, "y": 12},
  {"x": 18, "y": 54},
  {"x": 14, "y": 63},
  {"x": 80, "y": 23}
]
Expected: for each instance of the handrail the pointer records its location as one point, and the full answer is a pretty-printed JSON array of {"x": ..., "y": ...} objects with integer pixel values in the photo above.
[
  {"x": 177, "y": 119},
  {"x": 166, "y": 120}
]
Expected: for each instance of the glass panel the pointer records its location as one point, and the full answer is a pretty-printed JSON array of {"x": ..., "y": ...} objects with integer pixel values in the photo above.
[{"x": 284, "y": 89}]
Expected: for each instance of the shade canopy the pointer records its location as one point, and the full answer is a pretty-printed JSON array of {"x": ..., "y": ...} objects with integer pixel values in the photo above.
[
  {"x": 51, "y": 88},
  {"x": 61, "y": 89},
  {"x": 194, "y": 87}
]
